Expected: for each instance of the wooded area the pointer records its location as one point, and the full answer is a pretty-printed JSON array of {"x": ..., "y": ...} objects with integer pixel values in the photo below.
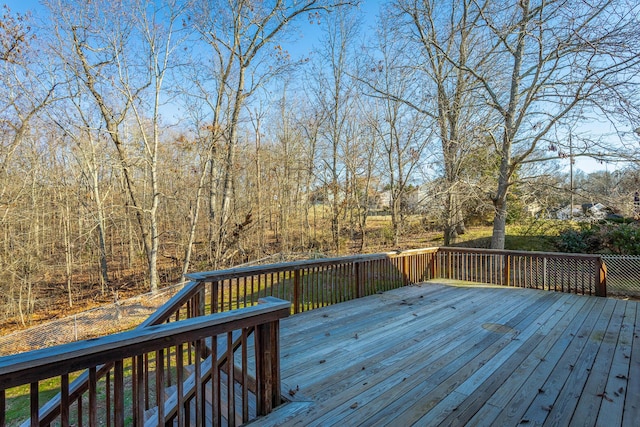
[{"x": 171, "y": 135}]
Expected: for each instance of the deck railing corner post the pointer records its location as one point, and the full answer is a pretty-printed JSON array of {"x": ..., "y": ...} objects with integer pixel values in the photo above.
[{"x": 601, "y": 278}]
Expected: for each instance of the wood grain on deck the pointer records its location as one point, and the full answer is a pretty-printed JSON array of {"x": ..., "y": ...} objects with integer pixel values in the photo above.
[{"x": 445, "y": 355}]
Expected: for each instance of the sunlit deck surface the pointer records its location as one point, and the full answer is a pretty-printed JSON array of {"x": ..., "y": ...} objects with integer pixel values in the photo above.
[{"x": 437, "y": 354}]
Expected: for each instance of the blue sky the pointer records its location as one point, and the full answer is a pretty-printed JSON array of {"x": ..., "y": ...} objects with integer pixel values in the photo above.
[
  {"x": 302, "y": 46},
  {"x": 22, "y": 5}
]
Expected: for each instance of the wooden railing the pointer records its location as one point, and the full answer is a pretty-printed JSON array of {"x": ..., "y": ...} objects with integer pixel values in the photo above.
[
  {"x": 316, "y": 283},
  {"x": 199, "y": 368},
  {"x": 572, "y": 273}
]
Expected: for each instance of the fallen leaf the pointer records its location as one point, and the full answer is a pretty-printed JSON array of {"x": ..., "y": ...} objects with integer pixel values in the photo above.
[
  {"x": 292, "y": 392},
  {"x": 524, "y": 421},
  {"x": 622, "y": 377},
  {"x": 354, "y": 406},
  {"x": 621, "y": 390},
  {"x": 604, "y": 396},
  {"x": 540, "y": 390},
  {"x": 322, "y": 361}
]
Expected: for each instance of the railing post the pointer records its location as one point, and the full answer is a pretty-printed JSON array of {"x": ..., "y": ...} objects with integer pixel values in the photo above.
[
  {"x": 267, "y": 342},
  {"x": 601, "y": 278},
  {"x": 296, "y": 291}
]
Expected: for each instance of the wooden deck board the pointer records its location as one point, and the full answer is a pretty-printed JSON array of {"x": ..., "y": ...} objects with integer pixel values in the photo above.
[
  {"x": 444, "y": 355},
  {"x": 507, "y": 406},
  {"x": 631, "y": 413},
  {"x": 612, "y": 408}
]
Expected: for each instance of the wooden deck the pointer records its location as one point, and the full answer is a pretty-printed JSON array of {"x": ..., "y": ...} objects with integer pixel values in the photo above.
[{"x": 437, "y": 354}]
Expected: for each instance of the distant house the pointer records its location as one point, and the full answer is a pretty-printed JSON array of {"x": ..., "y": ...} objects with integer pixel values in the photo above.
[
  {"x": 533, "y": 209},
  {"x": 596, "y": 211},
  {"x": 569, "y": 212},
  {"x": 586, "y": 212}
]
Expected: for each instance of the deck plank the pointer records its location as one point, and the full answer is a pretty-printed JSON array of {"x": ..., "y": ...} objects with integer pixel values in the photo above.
[
  {"x": 425, "y": 392},
  {"x": 478, "y": 387},
  {"x": 392, "y": 378},
  {"x": 543, "y": 402},
  {"x": 506, "y": 406},
  {"x": 505, "y": 380},
  {"x": 394, "y": 335},
  {"x": 631, "y": 413},
  {"x": 617, "y": 381},
  {"x": 444, "y": 355}
]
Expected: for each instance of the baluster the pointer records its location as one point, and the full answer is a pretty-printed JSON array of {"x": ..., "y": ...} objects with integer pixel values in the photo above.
[
  {"x": 245, "y": 377},
  {"x": 3, "y": 407},
  {"x": 215, "y": 384},
  {"x": 79, "y": 422},
  {"x": 93, "y": 401},
  {"x": 244, "y": 291},
  {"x": 139, "y": 388},
  {"x": 296, "y": 291},
  {"x": 35, "y": 406},
  {"x": 108, "y": 397},
  {"x": 64, "y": 400},
  {"x": 160, "y": 384},
  {"x": 180, "y": 384},
  {"x": 118, "y": 393},
  {"x": 231, "y": 392},
  {"x": 199, "y": 410}
]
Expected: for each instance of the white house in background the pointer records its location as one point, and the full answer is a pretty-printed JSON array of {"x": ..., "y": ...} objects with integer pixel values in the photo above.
[
  {"x": 569, "y": 212},
  {"x": 595, "y": 211}
]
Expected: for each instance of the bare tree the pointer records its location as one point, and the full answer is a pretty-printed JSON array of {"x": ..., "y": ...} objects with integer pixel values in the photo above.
[
  {"x": 399, "y": 117},
  {"x": 238, "y": 34},
  {"x": 102, "y": 42},
  {"x": 560, "y": 62},
  {"x": 334, "y": 93}
]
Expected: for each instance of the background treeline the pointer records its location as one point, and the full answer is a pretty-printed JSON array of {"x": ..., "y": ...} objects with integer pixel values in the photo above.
[{"x": 169, "y": 136}]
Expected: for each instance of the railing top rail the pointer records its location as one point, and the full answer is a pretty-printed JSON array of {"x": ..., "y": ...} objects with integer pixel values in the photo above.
[
  {"x": 33, "y": 366},
  {"x": 532, "y": 254},
  {"x": 292, "y": 265},
  {"x": 169, "y": 307}
]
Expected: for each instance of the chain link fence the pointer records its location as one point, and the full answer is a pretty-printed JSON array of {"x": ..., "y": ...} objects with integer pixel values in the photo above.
[
  {"x": 109, "y": 319},
  {"x": 117, "y": 317},
  {"x": 623, "y": 275}
]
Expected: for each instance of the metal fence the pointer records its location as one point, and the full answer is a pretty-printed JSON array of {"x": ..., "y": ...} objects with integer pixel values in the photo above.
[
  {"x": 623, "y": 274},
  {"x": 117, "y": 317}
]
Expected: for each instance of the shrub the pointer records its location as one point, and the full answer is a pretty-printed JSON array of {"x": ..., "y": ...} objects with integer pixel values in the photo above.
[{"x": 618, "y": 238}]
